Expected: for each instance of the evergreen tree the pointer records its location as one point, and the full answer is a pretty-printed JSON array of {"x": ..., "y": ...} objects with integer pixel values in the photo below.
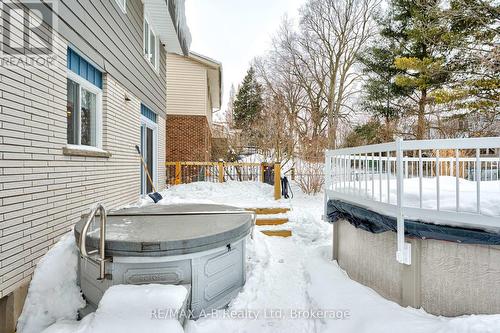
[
  {"x": 441, "y": 53},
  {"x": 382, "y": 97},
  {"x": 474, "y": 35},
  {"x": 248, "y": 102}
]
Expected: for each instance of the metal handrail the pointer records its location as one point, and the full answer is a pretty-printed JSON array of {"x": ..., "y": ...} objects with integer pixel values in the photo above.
[{"x": 101, "y": 260}]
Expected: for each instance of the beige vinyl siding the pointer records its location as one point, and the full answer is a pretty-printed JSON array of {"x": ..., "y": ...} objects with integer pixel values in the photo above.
[
  {"x": 187, "y": 89},
  {"x": 43, "y": 192}
]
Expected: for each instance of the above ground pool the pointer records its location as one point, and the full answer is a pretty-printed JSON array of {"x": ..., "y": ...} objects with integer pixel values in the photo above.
[{"x": 199, "y": 246}]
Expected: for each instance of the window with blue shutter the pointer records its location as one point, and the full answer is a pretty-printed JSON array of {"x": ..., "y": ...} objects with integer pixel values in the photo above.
[
  {"x": 148, "y": 113},
  {"x": 84, "y": 69}
]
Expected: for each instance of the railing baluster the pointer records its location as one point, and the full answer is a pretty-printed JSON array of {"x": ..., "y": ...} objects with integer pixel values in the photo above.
[
  {"x": 373, "y": 175},
  {"x": 380, "y": 167},
  {"x": 438, "y": 172},
  {"x": 350, "y": 174},
  {"x": 457, "y": 178},
  {"x": 420, "y": 171},
  {"x": 478, "y": 180},
  {"x": 388, "y": 167},
  {"x": 359, "y": 174},
  {"x": 345, "y": 172},
  {"x": 365, "y": 171}
]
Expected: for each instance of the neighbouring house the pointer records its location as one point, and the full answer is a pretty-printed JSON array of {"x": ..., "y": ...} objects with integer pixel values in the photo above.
[
  {"x": 194, "y": 88},
  {"x": 71, "y": 114},
  {"x": 220, "y": 142}
]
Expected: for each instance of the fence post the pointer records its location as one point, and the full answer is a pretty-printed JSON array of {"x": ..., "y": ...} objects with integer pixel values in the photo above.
[
  {"x": 277, "y": 181},
  {"x": 262, "y": 172},
  {"x": 221, "y": 172},
  {"x": 178, "y": 173},
  {"x": 403, "y": 254}
]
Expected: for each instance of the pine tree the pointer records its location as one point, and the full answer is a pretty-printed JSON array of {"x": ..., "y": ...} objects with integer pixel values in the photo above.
[
  {"x": 441, "y": 54},
  {"x": 475, "y": 88},
  {"x": 248, "y": 102},
  {"x": 382, "y": 97}
]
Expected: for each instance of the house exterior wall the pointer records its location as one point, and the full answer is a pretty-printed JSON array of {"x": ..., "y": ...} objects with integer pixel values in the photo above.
[
  {"x": 188, "y": 138},
  {"x": 114, "y": 42},
  {"x": 187, "y": 87},
  {"x": 44, "y": 191},
  {"x": 445, "y": 278}
]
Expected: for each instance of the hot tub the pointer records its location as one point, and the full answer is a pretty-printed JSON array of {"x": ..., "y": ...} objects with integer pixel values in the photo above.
[{"x": 200, "y": 246}]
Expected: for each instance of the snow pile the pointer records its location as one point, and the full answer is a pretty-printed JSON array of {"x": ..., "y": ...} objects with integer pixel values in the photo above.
[
  {"x": 366, "y": 311},
  {"x": 288, "y": 281},
  {"x": 275, "y": 282},
  {"x": 131, "y": 309},
  {"x": 53, "y": 293},
  {"x": 240, "y": 194}
]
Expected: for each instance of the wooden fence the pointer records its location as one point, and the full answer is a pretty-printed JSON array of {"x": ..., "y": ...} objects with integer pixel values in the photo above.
[{"x": 219, "y": 172}]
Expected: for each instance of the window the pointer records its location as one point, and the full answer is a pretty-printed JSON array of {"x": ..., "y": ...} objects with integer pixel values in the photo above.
[
  {"x": 150, "y": 44},
  {"x": 123, "y": 5},
  {"x": 84, "y": 100}
]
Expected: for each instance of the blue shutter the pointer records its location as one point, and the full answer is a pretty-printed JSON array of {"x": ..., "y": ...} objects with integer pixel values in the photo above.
[
  {"x": 148, "y": 113},
  {"x": 83, "y": 68}
]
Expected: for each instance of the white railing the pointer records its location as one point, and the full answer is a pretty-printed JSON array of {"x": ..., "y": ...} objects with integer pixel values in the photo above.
[{"x": 451, "y": 181}]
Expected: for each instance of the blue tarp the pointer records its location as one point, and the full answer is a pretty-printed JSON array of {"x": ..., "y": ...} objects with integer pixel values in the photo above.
[{"x": 373, "y": 222}]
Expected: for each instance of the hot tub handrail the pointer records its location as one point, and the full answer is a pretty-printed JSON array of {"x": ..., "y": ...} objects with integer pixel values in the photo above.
[{"x": 102, "y": 238}]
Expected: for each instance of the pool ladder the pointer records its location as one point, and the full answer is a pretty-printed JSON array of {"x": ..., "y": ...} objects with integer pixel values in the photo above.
[{"x": 99, "y": 259}]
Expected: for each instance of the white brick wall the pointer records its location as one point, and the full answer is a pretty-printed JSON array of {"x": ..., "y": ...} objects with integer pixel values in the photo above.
[{"x": 43, "y": 192}]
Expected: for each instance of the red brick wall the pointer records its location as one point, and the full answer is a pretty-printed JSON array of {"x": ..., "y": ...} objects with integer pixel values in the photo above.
[{"x": 188, "y": 139}]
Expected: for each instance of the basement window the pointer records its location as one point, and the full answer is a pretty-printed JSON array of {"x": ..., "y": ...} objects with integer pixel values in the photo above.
[{"x": 84, "y": 102}]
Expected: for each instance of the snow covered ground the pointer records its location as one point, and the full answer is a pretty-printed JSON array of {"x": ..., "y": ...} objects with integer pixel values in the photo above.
[{"x": 292, "y": 285}]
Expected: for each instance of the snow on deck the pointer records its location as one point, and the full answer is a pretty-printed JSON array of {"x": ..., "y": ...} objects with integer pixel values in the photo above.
[
  {"x": 292, "y": 285},
  {"x": 490, "y": 190},
  {"x": 240, "y": 194}
]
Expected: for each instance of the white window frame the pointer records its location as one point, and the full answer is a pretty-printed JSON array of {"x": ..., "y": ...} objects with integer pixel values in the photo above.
[
  {"x": 154, "y": 126},
  {"x": 146, "y": 44},
  {"x": 123, "y": 5},
  {"x": 98, "y": 112}
]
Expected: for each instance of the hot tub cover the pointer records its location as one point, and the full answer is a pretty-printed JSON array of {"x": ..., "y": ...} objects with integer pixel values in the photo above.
[
  {"x": 161, "y": 230},
  {"x": 374, "y": 222}
]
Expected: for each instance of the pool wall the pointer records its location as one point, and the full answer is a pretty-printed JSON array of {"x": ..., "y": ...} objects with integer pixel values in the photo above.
[{"x": 445, "y": 278}]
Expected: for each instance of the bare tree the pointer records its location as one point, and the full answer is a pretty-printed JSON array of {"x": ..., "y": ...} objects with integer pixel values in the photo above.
[{"x": 335, "y": 32}]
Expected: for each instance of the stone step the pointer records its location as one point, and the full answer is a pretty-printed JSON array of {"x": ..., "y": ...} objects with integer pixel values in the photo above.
[
  {"x": 271, "y": 221},
  {"x": 277, "y": 233},
  {"x": 269, "y": 211}
]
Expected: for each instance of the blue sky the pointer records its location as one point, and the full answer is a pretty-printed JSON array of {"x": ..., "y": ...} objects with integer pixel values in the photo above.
[{"x": 235, "y": 31}]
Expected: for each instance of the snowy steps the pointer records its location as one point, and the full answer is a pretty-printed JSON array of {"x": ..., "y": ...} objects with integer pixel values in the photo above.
[
  {"x": 265, "y": 218},
  {"x": 269, "y": 211},
  {"x": 277, "y": 233},
  {"x": 271, "y": 221}
]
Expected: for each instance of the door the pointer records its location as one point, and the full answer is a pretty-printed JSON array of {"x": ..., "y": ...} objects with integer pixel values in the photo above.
[{"x": 149, "y": 154}]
